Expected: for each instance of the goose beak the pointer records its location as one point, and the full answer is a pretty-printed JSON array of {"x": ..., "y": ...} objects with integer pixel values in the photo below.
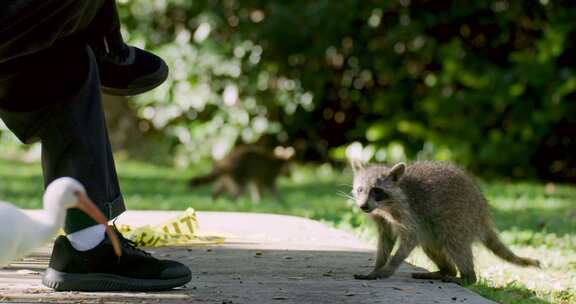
[{"x": 87, "y": 206}]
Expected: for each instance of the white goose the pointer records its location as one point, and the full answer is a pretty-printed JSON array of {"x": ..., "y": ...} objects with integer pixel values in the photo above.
[{"x": 21, "y": 233}]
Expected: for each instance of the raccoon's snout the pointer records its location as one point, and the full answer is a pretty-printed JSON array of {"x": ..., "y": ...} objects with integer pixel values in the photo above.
[{"x": 366, "y": 208}]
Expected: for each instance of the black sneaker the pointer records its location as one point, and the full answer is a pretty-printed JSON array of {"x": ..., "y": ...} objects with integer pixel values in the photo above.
[
  {"x": 127, "y": 70},
  {"x": 100, "y": 269}
]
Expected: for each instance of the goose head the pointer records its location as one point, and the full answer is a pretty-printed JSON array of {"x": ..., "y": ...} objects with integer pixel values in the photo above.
[{"x": 65, "y": 193}]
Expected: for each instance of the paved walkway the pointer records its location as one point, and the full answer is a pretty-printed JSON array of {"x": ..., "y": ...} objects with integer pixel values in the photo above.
[{"x": 265, "y": 259}]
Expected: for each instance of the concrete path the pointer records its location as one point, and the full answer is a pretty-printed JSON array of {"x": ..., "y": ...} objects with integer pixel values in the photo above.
[{"x": 265, "y": 259}]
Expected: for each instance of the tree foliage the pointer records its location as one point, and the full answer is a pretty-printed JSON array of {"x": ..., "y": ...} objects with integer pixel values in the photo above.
[{"x": 489, "y": 84}]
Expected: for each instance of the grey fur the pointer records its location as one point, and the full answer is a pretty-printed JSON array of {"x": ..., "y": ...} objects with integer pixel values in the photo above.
[{"x": 433, "y": 205}]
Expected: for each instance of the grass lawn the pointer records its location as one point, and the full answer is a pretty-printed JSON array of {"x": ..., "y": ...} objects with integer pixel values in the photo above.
[{"x": 535, "y": 220}]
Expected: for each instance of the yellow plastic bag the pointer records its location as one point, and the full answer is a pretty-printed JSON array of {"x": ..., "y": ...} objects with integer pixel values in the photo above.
[{"x": 179, "y": 231}]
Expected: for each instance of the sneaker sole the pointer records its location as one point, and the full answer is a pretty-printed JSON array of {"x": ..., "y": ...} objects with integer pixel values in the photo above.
[
  {"x": 61, "y": 281},
  {"x": 155, "y": 79}
]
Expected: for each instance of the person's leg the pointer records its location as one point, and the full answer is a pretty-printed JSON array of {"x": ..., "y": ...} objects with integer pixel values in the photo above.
[
  {"x": 74, "y": 143},
  {"x": 38, "y": 114},
  {"x": 28, "y": 27},
  {"x": 106, "y": 23},
  {"x": 35, "y": 26},
  {"x": 124, "y": 70}
]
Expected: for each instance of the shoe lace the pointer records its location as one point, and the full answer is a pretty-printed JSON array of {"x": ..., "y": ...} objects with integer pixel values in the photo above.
[{"x": 128, "y": 245}]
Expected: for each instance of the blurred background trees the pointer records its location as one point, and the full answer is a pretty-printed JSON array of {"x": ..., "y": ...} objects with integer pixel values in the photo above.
[{"x": 488, "y": 84}]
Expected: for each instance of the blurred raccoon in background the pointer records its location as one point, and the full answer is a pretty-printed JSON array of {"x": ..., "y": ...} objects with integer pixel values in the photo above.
[{"x": 247, "y": 166}]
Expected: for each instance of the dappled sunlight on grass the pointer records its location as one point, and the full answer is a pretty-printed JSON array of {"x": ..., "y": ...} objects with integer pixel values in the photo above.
[
  {"x": 508, "y": 283},
  {"x": 510, "y": 293},
  {"x": 554, "y": 278},
  {"x": 21, "y": 184},
  {"x": 532, "y": 207}
]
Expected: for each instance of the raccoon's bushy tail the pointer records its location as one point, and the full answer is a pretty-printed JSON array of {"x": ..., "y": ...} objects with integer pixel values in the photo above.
[
  {"x": 493, "y": 242},
  {"x": 202, "y": 180}
]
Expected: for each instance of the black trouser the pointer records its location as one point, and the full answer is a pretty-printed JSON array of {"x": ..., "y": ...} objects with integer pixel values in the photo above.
[
  {"x": 72, "y": 131},
  {"x": 29, "y": 26}
]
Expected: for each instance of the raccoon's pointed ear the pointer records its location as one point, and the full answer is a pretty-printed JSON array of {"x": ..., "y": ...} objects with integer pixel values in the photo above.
[
  {"x": 397, "y": 172},
  {"x": 356, "y": 165}
]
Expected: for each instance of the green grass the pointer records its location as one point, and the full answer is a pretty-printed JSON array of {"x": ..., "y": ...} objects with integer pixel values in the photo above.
[{"x": 535, "y": 220}]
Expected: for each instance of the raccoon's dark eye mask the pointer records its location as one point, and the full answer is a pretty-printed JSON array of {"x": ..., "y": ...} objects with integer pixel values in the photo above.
[{"x": 379, "y": 194}]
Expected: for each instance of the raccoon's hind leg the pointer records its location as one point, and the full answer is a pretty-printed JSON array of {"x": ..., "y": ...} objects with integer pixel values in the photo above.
[
  {"x": 461, "y": 254},
  {"x": 446, "y": 268},
  {"x": 255, "y": 192},
  {"x": 274, "y": 191},
  {"x": 226, "y": 184},
  {"x": 218, "y": 188}
]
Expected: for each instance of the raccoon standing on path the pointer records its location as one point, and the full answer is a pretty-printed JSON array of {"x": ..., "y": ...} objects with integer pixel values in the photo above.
[
  {"x": 246, "y": 165},
  {"x": 429, "y": 204}
]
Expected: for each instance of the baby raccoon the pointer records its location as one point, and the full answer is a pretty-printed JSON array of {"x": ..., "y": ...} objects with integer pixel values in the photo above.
[
  {"x": 429, "y": 204},
  {"x": 245, "y": 165}
]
